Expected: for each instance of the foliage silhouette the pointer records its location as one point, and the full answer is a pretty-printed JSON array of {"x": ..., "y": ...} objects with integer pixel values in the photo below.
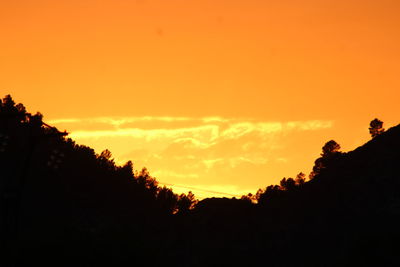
[
  {"x": 330, "y": 153},
  {"x": 88, "y": 211},
  {"x": 376, "y": 128}
]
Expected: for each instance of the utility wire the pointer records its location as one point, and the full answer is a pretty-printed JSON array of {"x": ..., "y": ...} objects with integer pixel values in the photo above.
[
  {"x": 199, "y": 189},
  {"x": 168, "y": 184}
]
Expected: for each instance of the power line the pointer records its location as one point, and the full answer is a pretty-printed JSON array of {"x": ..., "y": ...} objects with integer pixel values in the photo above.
[
  {"x": 199, "y": 189},
  {"x": 168, "y": 184}
]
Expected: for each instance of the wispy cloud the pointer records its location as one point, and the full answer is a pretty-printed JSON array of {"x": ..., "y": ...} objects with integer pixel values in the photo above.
[
  {"x": 213, "y": 127},
  {"x": 166, "y": 173},
  {"x": 58, "y": 121},
  {"x": 205, "y": 152},
  {"x": 209, "y": 163},
  {"x": 150, "y": 134},
  {"x": 120, "y": 120}
]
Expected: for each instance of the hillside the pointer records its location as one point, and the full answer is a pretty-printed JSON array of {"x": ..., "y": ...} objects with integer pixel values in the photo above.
[
  {"x": 65, "y": 205},
  {"x": 348, "y": 215}
]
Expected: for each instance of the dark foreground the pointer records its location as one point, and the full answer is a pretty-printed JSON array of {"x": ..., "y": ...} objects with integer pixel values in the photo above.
[{"x": 64, "y": 205}]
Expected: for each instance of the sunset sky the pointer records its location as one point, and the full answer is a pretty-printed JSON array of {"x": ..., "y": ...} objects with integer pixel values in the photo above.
[{"x": 221, "y": 95}]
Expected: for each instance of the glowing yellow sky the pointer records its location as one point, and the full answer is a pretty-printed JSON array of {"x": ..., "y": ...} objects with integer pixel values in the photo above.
[{"x": 227, "y": 95}]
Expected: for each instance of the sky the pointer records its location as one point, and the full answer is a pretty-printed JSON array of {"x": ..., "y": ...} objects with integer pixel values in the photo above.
[{"x": 212, "y": 96}]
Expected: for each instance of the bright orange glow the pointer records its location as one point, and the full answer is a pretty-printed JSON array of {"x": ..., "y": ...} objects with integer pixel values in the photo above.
[{"x": 218, "y": 94}]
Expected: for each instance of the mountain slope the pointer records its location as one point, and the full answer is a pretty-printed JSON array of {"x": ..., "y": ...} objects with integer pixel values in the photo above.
[
  {"x": 348, "y": 215},
  {"x": 64, "y": 205}
]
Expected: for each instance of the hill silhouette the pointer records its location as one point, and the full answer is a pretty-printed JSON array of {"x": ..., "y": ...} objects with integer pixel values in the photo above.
[
  {"x": 62, "y": 204},
  {"x": 347, "y": 215}
]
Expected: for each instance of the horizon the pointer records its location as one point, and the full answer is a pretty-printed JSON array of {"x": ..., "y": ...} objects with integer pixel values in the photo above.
[
  {"x": 221, "y": 96},
  {"x": 200, "y": 191}
]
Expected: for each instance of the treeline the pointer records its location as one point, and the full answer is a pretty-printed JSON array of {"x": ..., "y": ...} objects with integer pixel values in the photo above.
[
  {"x": 62, "y": 204},
  {"x": 330, "y": 155},
  {"x": 21, "y": 132},
  {"x": 60, "y": 195},
  {"x": 346, "y": 214}
]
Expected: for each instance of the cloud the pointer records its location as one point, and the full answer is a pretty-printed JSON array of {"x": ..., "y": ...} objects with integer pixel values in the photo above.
[
  {"x": 189, "y": 142},
  {"x": 215, "y": 119},
  {"x": 58, "y": 121},
  {"x": 283, "y": 160},
  {"x": 238, "y": 130},
  {"x": 309, "y": 125},
  {"x": 209, "y": 163},
  {"x": 209, "y": 152},
  {"x": 165, "y": 173},
  {"x": 210, "y": 128},
  {"x": 205, "y": 131},
  {"x": 120, "y": 120}
]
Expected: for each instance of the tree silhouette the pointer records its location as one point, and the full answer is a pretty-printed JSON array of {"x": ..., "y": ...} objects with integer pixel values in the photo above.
[
  {"x": 288, "y": 184},
  {"x": 330, "y": 148},
  {"x": 8, "y": 105},
  {"x": 248, "y": 198},
  {"x": 272, "y": 192},
  {"x": 186, "y": 202},
  {"x": 167, "y": 200},
  {"x": 300, "y": 179},
  {"x": 376, "y": 128},
  {"x": 330, "y": 151},
  {"x": 98, "y": 213},
  {"x": 127, "y": 170}
]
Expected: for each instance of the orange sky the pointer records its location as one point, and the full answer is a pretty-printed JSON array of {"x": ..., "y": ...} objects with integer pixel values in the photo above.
[{"x": 226, "y": 95}]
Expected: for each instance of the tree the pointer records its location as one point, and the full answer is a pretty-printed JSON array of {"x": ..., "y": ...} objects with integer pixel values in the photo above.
[
  {"x": 288, "y": 184},
  {"x": 270, "y": 193},
  {"x": 105, "y": 160},
  {"x": 186, "y": 202},
  {"x": 259, "y": 193},
  {"x": 10, "y": 109},
  {"x": 330, "y": 148},
  {"x": 9, "y": 104},
  {"x": 36, "y": 120},
  {"x": 330, "y": 151},
  {"x": 249, "y": 197},
  {"x": 127, "y": 170},
  {"x": 300, "y": 179},
  {"x": 167, "y": 200},
  {"x": 376, "y": 127},
  {"x": 106, "y": 155}
]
